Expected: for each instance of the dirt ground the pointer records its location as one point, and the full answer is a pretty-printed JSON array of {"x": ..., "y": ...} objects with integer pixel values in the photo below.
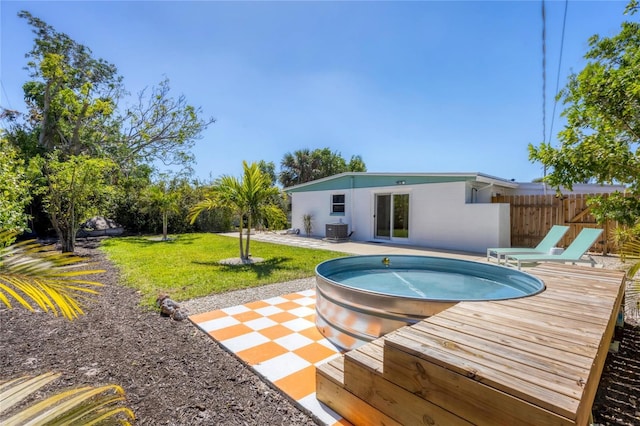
[{"x": 173, "y": 374}]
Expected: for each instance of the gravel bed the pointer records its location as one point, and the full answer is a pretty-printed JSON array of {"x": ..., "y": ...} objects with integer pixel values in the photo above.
[{"x": 240, "y": 297}]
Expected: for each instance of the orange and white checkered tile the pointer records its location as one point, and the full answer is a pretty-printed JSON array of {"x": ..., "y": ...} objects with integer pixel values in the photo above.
[{"x": 278, "y": 338}]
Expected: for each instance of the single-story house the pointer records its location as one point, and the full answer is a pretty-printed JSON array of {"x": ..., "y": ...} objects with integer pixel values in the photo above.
[{"x": 451, "y": 211}]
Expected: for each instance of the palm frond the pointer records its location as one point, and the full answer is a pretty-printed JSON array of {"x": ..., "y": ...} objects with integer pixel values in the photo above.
[
  {"x": 85, "y": 405},
  {"x": 631, "y": 250},
  {"x": 194, "y": 212},
  {"x": 35, "y": 275},
  {"x": 14, "y": 391}
]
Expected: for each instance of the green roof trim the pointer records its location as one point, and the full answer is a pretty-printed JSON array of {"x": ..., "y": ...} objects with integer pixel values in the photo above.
[{"x": 346, "y": 181}]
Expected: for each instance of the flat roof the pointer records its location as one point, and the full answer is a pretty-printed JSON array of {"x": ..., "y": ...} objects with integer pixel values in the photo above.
[{"x": 351, "y": 180}]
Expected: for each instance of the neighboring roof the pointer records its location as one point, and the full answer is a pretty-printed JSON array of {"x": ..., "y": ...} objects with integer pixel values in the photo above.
[
  {"x": 525, "y": 188},
  {"x": 351, "y": 180}
]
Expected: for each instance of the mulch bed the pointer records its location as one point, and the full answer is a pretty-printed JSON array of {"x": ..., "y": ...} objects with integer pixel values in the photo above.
[
  {"x": 618, "y": 398},
  {"x": 173, "y": 374}
]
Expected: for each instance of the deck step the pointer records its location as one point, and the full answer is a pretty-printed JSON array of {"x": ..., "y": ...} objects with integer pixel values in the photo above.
[
  {"x": 408, "y": 362},
  {"x": 331, "y": 391},
  {"x": 363, "y": 377}
]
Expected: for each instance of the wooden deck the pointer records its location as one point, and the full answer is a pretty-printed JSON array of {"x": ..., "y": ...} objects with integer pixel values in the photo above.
[{"x": 530, "y": 361}]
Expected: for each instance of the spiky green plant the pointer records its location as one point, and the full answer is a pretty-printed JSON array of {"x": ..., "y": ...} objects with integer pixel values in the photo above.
[
  {"x": 630, "y": 251},
  {"x": 306, "y": 221}
]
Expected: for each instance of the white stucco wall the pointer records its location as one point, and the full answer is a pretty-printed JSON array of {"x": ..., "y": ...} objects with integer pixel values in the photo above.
[
  {"x": 439, "y": 216},
  {"x": 444, "y": 220},
  {"x": 318, "y": 205}
]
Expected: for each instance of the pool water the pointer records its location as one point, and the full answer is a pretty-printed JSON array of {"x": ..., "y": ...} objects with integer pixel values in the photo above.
[{"x": 433, "y": 285}]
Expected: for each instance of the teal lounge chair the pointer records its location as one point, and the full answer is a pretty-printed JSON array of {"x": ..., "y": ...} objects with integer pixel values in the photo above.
[
  {"x": 572, "y": 254},
  {"x": 544, "y": 247}
]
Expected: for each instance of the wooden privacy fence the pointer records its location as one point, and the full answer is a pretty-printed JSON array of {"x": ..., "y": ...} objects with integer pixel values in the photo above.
[{"x": 533, "y": 215}]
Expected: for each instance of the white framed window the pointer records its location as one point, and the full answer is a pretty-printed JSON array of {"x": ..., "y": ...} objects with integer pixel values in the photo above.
[{"x": 337, "y": 204}]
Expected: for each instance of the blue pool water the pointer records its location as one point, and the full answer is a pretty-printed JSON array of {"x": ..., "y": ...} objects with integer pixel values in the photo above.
[
  {"x": 427, "y": 284},
  {"x": 431, "y": 278}
]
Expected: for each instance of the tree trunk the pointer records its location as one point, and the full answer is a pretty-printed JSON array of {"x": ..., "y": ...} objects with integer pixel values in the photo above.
[
  {"x": 247, "y": 252},
  {"x": 43, "y": 138},
  {"x": 68, "y": 241},
  {"x": 75, "y": 147},
  {"x": 66, "y": 236},
  {"x": 241, "y": 246},
  {"x": 164, "y": 226}
]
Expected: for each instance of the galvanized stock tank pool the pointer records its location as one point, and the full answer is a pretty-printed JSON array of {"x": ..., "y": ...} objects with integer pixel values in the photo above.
[{"x": 360, "y": 298}]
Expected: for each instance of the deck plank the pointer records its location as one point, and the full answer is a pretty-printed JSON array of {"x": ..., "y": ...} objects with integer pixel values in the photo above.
[
  {"x": 595, "y": 314},
  {"x": 468, "y": 325},
  {"x": 580, "y": 331},
  {"x": 554, "y": 359}
]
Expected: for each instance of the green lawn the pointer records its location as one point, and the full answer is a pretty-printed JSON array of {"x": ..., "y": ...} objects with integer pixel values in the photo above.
[{"x": 187, "y": 266}]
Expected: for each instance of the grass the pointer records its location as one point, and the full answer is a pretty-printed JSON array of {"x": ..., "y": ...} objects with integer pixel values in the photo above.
[{"x": 187, "y": 266}]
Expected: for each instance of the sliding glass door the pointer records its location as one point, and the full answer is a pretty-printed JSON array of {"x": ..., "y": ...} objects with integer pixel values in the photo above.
[
  {"x": 391, "y": 216},
  {"x": 383, "y": 216}
]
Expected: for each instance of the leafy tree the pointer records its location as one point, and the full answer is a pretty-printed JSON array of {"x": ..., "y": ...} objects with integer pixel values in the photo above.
[
  {"x": 216, "y": 220},
  {"x": 72, "y": 95},
  {"x": 74, "y": 111},
  {"x": 601, "y": 141},
  {"x": 129, "y": 210},
  {"x": 77, "y": 189},
  {"x": 163, "y": 198},
  {"x": 73, "y": 103},
  {"x": 304, "y": 165},
  {"x": 159, "y": 127},
  {"x": 327, "y": 163},
  {"x": 14, "y": 189},
  {"x": 269, "y": 169},
  {"x": 356, "y": 164},
  {"x": 248, "y": 198}
]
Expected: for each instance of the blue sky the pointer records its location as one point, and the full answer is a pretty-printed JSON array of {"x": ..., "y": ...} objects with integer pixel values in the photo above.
[{"x": 410, "y": 86}]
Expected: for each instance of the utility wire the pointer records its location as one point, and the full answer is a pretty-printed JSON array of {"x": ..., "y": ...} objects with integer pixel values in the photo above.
[
  {"x": 6, "y": 96},
  {"x": 544, "y": 73},
  {"x": 555, "y": 103},
  {"x": 544, "y": 81}
]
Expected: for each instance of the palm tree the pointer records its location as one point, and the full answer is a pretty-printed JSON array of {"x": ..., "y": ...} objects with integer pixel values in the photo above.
[
  {"x": 296, "y": 168},
  {"x": 249, "y": 198},
  {"x": 162, "y": 197},
  {"x": 305, "y": 165},
  {"x": 31, "y": 274}
]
